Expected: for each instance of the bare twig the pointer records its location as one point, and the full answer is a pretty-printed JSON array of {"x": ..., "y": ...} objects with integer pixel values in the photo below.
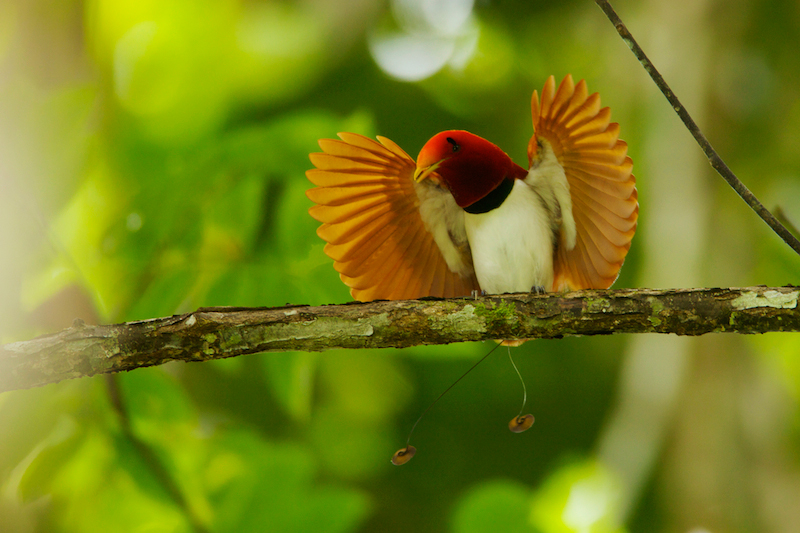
[
  {"x": 716, "y": 161},
  {"x": 215, "y": 333}
]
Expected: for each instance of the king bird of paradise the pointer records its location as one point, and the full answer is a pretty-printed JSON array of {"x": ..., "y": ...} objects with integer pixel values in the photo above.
[{"x": 464, "y": 217}]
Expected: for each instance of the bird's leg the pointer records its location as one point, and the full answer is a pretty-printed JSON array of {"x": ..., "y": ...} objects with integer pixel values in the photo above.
[
  {"x": 538, "y": 289},
  {"x": 476, "y": 293}
]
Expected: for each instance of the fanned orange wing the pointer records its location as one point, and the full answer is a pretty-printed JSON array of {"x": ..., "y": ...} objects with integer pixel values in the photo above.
[
  {"x": 371, "y": 221},
  {"x": 598, "y": 169}
]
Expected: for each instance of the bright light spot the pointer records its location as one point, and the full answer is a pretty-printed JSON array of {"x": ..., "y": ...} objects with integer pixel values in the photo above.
[
  {"x": 588, "y": 502},
  {"x": 445, "y": 17},
  {"x": 434, "y": 33},
  {"x": 411, "y": 58}
]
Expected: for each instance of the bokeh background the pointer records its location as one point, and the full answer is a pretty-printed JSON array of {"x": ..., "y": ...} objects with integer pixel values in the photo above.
[{"x": 152, "y": 158}]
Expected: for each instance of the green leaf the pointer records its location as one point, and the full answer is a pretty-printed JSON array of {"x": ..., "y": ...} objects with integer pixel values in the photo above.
[
  {"x": 159, "y": 410},
  {"x": 291, "y": 378},
  {"x": 263, "y": 486},
  {"x": 138, "y": 463}
]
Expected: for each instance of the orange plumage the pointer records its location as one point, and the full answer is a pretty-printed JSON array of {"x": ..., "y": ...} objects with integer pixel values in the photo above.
[{"x": 392, "y": 237}]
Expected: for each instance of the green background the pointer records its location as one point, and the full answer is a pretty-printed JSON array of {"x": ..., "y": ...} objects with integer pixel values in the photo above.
[{"x": 152, "y": 158}]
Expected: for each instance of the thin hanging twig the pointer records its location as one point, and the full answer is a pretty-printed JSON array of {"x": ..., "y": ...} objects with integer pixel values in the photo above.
[{"x": 716, "y": 161}]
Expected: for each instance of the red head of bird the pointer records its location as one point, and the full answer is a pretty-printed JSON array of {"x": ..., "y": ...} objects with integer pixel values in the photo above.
[{"x": 470, "y": 167}]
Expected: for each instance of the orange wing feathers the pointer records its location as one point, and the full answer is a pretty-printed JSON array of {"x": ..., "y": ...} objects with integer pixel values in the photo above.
[
  {"x": 602, "y": 188},
  {"x": 369, "y": 205},
  {"x": 370, "y": 217}
]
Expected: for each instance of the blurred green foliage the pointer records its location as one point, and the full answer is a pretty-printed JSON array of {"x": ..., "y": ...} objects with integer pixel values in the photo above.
[{"x": 152, "y": 159}]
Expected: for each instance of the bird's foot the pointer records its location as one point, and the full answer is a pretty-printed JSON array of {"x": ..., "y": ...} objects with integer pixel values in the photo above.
[
  {"x": 538, "y": 289},
  {"x": 476, "y": 293}
]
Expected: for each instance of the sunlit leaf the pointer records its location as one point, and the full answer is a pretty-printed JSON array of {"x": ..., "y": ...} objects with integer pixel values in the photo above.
[{"x": 579, "y": 497}]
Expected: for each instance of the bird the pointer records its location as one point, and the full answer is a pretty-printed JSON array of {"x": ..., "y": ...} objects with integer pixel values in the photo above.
[{"x": 464, "y": 217}]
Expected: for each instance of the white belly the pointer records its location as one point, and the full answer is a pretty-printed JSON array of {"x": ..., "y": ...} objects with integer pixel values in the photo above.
[{"x": 512, "y": 246}]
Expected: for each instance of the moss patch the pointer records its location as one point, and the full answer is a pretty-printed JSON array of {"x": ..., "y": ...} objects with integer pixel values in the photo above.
[
  {"x": 498, "y": 315},
  {"x": 656, "y": 307}
]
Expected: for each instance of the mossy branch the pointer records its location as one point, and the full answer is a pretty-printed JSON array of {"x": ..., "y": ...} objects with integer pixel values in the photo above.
[{"x": 220, "y": 332}]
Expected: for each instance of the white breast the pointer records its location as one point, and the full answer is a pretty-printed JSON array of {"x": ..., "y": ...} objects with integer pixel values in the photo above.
[{"x": 512, "y": 246}]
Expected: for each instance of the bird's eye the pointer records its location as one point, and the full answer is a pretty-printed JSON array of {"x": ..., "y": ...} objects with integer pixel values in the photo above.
[{"x": 452, "y": 141}]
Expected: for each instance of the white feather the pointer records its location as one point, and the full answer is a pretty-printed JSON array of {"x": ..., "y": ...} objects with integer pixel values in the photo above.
[
  {"x": 445, "y": 221},
  {"x": 512, "y": 245},
  {"x": 546, "y": 176}
]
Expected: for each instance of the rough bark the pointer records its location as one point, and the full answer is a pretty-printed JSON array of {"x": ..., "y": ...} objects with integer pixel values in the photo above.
[{"x": 219, "y": 332}]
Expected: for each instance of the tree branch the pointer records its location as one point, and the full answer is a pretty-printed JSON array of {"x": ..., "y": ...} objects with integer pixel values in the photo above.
[
  {"x": 713, "y": 158},
  {"x": 220, "y": 332}
]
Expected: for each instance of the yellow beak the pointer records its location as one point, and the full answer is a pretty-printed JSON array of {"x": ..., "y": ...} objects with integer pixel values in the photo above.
[{"x": 425, "y": 171}]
